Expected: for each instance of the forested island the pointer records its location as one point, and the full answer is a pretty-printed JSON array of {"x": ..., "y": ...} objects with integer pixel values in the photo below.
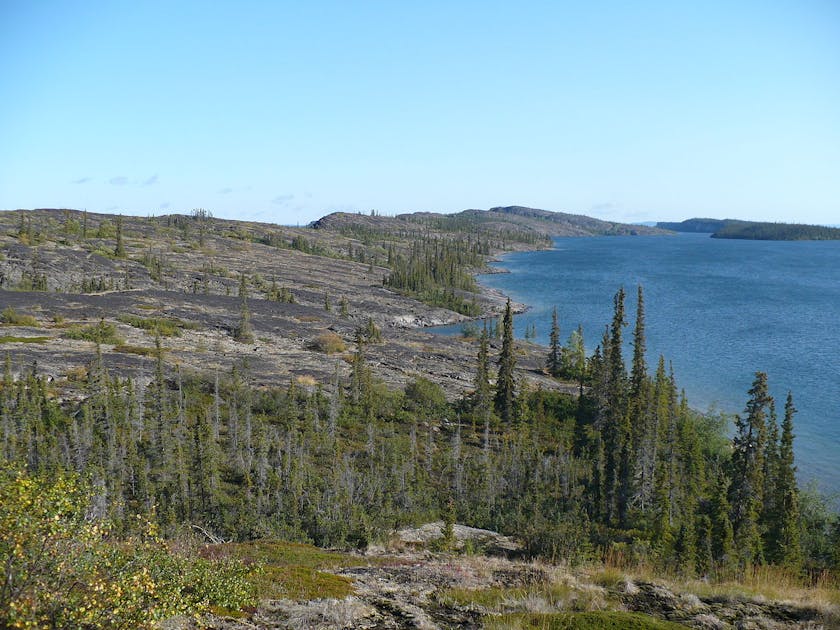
[
  {"x": 193, "y": 410},
  {"x": 754, "y": 230}
]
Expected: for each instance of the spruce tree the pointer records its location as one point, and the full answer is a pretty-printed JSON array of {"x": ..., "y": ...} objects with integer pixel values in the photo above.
[
  {"x": 787, "y": 543},
  {"x": 638, "y": 374},
  {"x": 746, "y": 493},
  {"x": 482, "y": 397},
  {"x": 616, "y": 428},
  {"x": 505, "y": 385},
  {"x": 119, "y": 249},
  {"x": 244, "y": 333},
  {"x": 553, "y": 364}
]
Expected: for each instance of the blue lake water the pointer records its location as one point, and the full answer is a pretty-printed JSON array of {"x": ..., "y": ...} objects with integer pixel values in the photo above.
[{"x": 719, "y": 310}]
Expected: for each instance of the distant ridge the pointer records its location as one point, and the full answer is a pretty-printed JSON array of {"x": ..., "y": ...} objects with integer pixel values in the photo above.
[
  {"x": 497, "y": 220},
  {"x": 754, "y": 230}
]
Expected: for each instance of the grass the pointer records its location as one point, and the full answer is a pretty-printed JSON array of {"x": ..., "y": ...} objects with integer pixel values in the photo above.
[
  {"x": 11, "y": 339},
  {"x": 601, "y": 620},
  {"x": 289, "y": 570},
  {"x": 771, "y": 583},
  {"x": 549, "y": 597}
]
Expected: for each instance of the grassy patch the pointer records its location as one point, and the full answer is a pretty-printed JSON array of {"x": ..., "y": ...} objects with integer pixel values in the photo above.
[
  {"x": 609, "y": 577},
  {"x": 580, "y": 621},
  {"x": 538, "y": 597},
  {"x": 10, "y": 339},
  {"x": 289, "y": 570},
  {"x": 296, "y": 582},
  {"x": 164, "y": 326}
]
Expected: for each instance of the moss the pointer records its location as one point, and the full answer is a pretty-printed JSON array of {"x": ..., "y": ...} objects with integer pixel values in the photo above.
[{"x": 601, "y": 620}]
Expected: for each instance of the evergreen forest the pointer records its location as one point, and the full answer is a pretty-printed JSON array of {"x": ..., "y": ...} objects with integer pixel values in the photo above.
[{"x": 627, "y": 467}]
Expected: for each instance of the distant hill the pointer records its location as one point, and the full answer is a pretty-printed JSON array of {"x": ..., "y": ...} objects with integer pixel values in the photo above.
[
  {"x": 516, "y": 223},
  {"x": 754, "y": 230},
  {"x": 705, "y": 226}
]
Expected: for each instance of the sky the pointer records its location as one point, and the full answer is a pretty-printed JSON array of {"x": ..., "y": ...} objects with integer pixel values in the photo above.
[{"x": 287, "y": 111}]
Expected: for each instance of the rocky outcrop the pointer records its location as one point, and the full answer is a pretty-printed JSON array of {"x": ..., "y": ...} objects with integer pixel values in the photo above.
[{"x": 431, "y": 535}]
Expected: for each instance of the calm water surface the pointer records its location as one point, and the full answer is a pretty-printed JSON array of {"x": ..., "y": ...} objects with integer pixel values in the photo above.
[{"x": 717, "y": 309}]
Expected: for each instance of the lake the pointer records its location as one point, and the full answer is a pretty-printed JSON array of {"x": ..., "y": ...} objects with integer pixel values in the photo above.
[{"x": 719, "y": 310}]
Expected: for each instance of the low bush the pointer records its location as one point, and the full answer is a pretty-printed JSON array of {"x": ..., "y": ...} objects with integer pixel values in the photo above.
[
  {"x": 10, "y": 317},
  {"x": 328, "y": 342},
  {"x": 103, "y": 332},
  {"x": 63, "y": 569}
]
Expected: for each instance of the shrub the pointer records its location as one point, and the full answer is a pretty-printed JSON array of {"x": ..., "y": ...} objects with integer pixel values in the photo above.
[
  {"x": 328, "y": 342},
  {"x": 63, "y": 569},
  {"x": 10, "y": 317},
  {"x": 103, "y": 332},
  {"x": 164, "y": 326}
]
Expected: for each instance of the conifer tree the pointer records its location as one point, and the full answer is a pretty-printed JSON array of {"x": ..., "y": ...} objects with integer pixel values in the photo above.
[
  {"x": 505, "y": 385},
  {"x": 119, "y": 249},
  {"x": 554, "y": 363},
  {"x": 616, "y": 428},
  {"x": 638, "y": 373},
  {"x": 482, "y": 397},
  {"x": 244, "y": 333},
  {"x": 746, "y": 493},
  {"x": 787, "y": 539},
  {"x": 723, "y": 539}
]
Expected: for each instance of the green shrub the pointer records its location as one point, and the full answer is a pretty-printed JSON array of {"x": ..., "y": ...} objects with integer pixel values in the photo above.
[
  {"x": 103, "y": 332},
  {"x": 164, "y": 326}
]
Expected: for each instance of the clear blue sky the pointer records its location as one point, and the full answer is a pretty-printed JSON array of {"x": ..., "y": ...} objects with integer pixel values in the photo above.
[{"x": 285, "y": 111}]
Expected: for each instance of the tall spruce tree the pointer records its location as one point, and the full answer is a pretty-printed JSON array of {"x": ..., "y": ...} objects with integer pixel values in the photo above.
[
  {"x": 244, "y": 333},
  {"x": 554, "y": 361},
  {"x": 119, "y": 249},
  {"x": 786, "y": 539},
  {"x": 505, "y": 384},
  {"x": 616, "y": 430},
  {"x": 482, "y": 399},
  {"x": 746, "y": 491}
]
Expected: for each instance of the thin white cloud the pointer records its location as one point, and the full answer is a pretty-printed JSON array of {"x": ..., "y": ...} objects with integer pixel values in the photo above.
[
  {"x": 118, "y": 181},
  {"x": 282, "y": 200},
  {"x": 151, "y": 181},
  {"x": 82, "y": 180}
]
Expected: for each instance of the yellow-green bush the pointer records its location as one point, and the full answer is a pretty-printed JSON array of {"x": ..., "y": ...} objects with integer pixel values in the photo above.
[
  {"x": 63, "y": 569},
  {"x": 10, "y": 317}
]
